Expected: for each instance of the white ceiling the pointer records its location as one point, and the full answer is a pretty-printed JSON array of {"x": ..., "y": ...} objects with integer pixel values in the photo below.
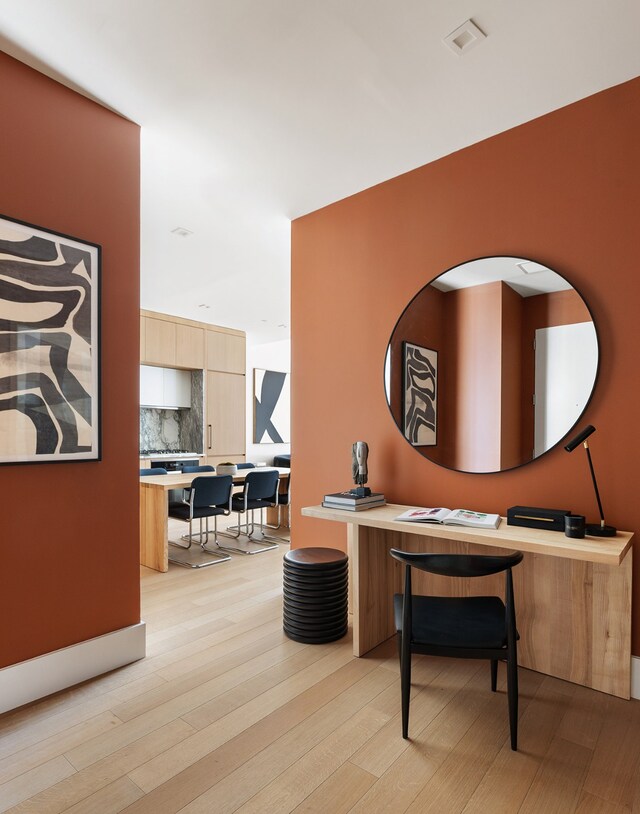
[
  {"x": 257, "y": 111},
  {"x": 527, "y": 278}
]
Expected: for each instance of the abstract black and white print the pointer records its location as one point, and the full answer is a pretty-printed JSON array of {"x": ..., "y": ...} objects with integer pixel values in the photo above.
[
  {"x": 272, "y": 407},
  {"x": 420, "y": 395},
  {"x": 49, "y": 355}
]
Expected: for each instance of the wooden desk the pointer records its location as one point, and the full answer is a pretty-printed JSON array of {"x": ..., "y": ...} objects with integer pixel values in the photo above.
[
  {"x": 154, "y": 489},
  {"x": 573, "y": 597}
]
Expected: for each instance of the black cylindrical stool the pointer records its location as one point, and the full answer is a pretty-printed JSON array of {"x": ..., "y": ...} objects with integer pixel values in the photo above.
[{"x": 315, "y": 595}]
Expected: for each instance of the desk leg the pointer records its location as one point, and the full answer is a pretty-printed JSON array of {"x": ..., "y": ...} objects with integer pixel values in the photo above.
[
  {"x": 610, "y": 656},
  {"x": 154, "y": 536},
  {"x": 374, "y": 578}
]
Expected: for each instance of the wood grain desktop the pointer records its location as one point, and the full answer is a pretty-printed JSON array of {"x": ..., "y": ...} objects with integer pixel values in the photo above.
[{"x": 573, "y": 597}]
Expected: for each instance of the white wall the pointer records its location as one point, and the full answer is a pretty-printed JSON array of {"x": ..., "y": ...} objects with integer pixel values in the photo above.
[{"x": 268, "y": 356}]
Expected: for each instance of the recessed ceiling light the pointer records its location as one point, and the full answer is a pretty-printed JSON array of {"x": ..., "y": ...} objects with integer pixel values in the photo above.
[
  {"x": 464, "y": 38},
  {"x": 181, "y": 231}
]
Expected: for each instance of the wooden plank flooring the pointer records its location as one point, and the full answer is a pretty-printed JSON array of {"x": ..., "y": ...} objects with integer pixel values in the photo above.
[{"x": 228, "y": 715}]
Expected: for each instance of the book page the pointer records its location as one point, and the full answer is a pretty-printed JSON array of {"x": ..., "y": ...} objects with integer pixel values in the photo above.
[{"x": 423, "y": 515}]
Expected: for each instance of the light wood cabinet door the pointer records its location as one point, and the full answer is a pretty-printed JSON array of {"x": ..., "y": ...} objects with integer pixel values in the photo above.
[
  {"x": 189, "y": 346},
  {"x": 226, "y": 352},
  {"x": 143, "y": 337},
  {"x": 160, "y": 342},
  {"x": 225, "y": 427}
]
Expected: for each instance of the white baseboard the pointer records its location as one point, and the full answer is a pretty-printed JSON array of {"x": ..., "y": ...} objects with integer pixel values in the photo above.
[
  {"x": 635, "y": 677},
  {"x": 51, "y": 672}
]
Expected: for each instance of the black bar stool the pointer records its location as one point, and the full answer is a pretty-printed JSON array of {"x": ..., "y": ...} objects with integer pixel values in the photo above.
[{"x": 315, "y": 595}]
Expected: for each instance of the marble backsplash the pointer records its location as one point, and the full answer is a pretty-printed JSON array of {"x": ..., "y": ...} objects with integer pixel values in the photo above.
[{"x": 175, "y": 429}]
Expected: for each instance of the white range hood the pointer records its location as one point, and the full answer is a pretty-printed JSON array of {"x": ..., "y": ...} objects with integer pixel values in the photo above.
[{"x": 165, "y": 388}]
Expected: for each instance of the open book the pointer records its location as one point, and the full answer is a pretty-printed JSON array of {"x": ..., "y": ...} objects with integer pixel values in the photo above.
[{"x": 457, "y": 517}]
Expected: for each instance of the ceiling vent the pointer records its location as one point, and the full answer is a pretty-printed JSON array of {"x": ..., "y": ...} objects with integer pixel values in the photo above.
[
  {"x": 181, "y": 231},
  {"x": 464, "y": 38},
  {"x": 529, "y": 267}
]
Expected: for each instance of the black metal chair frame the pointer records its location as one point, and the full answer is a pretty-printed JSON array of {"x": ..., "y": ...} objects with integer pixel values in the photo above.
[
  {"x": 192, "y": 470},
  {"x": 242, "y": 507},
  {"x": 460, "y": 565},
  {"x": 217, "y": 509}
]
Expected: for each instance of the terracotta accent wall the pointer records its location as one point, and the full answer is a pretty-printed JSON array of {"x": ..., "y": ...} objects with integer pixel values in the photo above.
[
  {"x": 69, "y": 531},
  {"x": 564, "y": 190}
]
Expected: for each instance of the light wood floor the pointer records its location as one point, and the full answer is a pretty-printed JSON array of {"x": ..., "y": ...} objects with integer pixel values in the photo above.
[{"x": 227, "y": 715}]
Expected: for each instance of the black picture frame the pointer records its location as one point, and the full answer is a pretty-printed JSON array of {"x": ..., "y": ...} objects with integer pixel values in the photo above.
[
  {"x": 420, "y": 395},
  {"x": 50, "y": 346}
]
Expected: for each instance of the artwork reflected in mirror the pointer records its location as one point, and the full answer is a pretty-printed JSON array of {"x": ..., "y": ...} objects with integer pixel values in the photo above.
[
  {"x": 420, "y": 395},
  {"x": 491, "y": 364}
]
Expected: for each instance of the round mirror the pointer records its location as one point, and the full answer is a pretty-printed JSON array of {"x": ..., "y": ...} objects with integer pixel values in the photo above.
[{"x": 491, "y": 364}]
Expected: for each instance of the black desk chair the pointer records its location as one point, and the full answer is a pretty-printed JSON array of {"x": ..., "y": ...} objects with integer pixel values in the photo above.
[
  {"x": 153, "y": 470},
  {"x": 246, "y": 465},
  {"x": 208, "y": 497},
  {"x": 260, "y": 491},
  {"x": 469, "y": 627}
]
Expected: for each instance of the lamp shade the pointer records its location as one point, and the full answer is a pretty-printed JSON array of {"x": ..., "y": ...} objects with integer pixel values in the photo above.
[{"x": 580, "y": 437}]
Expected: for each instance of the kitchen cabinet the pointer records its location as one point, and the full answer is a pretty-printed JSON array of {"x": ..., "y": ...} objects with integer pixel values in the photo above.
[
  {"x": 160, "y": 342},
  {"x": 189, "y": 346},
  {"x": 225, "y": 425},
  {"x": 226, "y": 352}
]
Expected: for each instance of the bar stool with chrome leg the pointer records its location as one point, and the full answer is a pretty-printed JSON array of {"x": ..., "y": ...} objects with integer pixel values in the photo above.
[
  {"x": 260, "y": 491},
  {"x": 208, "y": 497}
]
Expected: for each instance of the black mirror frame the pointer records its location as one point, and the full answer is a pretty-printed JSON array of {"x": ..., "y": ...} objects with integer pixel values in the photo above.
[{"x": 569, "y": 430}]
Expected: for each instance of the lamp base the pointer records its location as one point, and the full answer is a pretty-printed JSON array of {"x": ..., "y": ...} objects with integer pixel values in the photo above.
[{"x": 596, "y": 530}]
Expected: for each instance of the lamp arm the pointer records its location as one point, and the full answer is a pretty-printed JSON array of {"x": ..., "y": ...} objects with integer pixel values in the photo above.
[{"x": 595, "y": 484}]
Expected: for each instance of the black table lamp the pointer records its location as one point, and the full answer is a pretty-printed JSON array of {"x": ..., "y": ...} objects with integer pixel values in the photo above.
[{"x": 595, "y": 529}]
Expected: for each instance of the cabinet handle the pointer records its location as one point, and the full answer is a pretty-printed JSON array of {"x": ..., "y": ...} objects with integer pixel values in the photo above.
[{"x": 210, "y": 435}]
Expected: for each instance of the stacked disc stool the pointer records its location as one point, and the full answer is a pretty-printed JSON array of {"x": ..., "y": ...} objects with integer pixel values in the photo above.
[{"x": 315, "y": 595}]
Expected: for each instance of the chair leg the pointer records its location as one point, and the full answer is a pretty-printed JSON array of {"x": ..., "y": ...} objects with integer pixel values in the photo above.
[
  {"x": 512, "y": 692},
  {"x": 405, "y": 687},
  {"x": 265, "y": 544},
  {"x": 494, "y": 674}
]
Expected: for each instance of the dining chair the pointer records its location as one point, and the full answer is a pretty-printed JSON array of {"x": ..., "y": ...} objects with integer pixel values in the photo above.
[
  {"x": 468, "y": 627},
  {"x": 284, "y": 499},
  {"x": 153, "y": 470},
  {"x": 259, "y": 491},
  {"x": 189, "y": 469},
  {"x": 208, "y": 497}
]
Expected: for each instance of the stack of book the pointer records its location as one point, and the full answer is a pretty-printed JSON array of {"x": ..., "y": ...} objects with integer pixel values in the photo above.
[{"x": 353, "y": 503}]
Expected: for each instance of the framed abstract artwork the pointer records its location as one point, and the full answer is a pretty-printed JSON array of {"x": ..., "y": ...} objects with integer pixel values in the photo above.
[
  {"x": 420, "y": 395},
  {"x": 271, "y": 407},
  {"x": 49, "y": 346}
]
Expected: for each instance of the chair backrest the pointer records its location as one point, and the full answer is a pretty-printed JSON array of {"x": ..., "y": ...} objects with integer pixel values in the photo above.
[
  {"x": 284, "y": 497},
  {"x": 245, "y": 466},
  {"x": 188, "y": 470},
  {"x": 211, "y": 491},
  {"x": 153, "y": 470},
  {"x": 458, "y": 565},
  {"x": 262, "y": 485}
]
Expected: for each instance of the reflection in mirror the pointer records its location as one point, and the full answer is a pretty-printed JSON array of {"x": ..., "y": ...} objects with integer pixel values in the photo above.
[{"x": 491, "y": 364}]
